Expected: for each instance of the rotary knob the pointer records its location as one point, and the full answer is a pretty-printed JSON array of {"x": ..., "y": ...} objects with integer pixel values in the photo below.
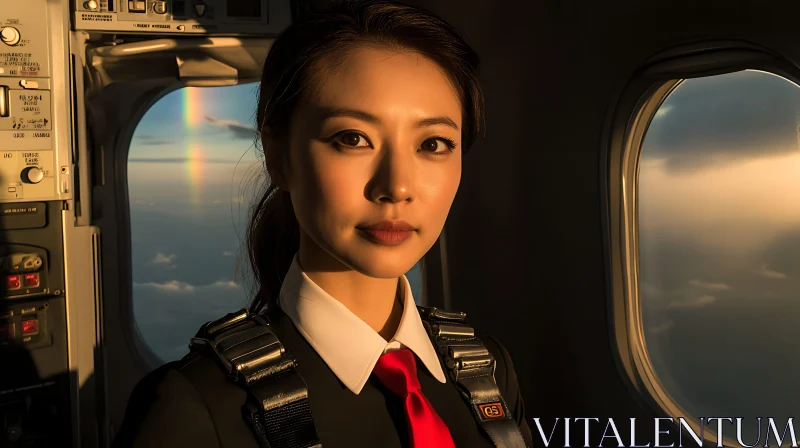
[
  {"x": 91, "y": 5},
  {"x": 32, "y": 175},
  {"x": 10, "y": 35}
]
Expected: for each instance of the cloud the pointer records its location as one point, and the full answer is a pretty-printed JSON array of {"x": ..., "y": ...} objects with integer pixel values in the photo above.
[
  {"x": 142, "y": 202},
  {"x": 239, "y": 130},
  {"x": 150, "y": 140},
  {"x": 177, "y": 286},
  {"x": 766, "y": 272},
  {"x": 172, "y": 285},
  {"x": 695, "y": 302},
  {"x": 163, "y": 259},
  {"x": 651, "y": 292},
  {"x": 159, "y": 142},
  {"x": 168, "y": 314},
  {"x": 717, "y": 120},
  {"x": 732, "y": 211},
  {"x": 663, "y": 110},
  {"x": 709, "y": 285},
  {"x": 660, "y": 328}
]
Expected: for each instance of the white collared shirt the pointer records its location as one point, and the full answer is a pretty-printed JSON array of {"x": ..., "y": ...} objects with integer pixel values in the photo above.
[{"x": 348, "y": 345}]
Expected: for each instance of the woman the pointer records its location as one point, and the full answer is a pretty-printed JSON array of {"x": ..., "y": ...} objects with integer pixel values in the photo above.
[{"x": 365, "y": 111}]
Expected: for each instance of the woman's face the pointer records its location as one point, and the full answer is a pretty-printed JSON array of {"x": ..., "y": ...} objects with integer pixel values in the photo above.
[{"x": 373, "y": 143}]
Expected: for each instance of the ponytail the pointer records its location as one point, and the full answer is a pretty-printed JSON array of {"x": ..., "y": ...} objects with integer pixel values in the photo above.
[{"x": 273, "y": 238}]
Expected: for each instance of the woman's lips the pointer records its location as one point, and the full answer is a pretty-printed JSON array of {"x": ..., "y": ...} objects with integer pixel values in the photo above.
[
  {"x": 387, "y": 233},
  {"x": 387, "y": 237}
]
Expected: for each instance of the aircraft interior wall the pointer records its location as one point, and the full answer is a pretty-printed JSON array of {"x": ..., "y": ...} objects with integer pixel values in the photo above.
[{"x": 534, "y": 249}]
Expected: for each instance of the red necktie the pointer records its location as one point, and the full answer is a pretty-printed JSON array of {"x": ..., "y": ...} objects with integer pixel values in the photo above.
[{"x": 397, "y": 371}]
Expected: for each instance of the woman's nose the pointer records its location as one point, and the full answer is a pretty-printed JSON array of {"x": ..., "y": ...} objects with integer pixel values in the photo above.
[{"x": 393, "y": 179}]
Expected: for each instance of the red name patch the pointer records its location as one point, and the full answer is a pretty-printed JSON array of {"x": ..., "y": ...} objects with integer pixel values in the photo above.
[{"x": 491, "y": 410}]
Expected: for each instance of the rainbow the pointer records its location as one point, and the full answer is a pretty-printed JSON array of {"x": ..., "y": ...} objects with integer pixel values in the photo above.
[
  {"x": 192, "y": 106},
  {"x": 195, "y": 160}
]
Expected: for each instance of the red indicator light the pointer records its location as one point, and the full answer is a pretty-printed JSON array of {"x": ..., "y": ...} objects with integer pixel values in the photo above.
[
  {"x": 12, "y": 281},
  {"x": 32, "y": 279},
  {"x": 6, "y": 331},
  {"x": 30, "y": 326}
]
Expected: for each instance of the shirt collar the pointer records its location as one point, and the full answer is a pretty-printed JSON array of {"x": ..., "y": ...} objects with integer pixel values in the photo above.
[{"x": 348, "y": 345}]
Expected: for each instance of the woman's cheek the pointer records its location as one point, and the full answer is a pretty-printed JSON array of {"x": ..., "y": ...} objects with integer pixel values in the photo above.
[
  {"x": 341, "y": 193},
  {"x": 441, "y": 191}
]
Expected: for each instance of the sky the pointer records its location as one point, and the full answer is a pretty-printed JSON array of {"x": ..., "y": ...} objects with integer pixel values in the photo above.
[
  {"x": 718, "y": 215},
  {"x": 719, "y": 235}
]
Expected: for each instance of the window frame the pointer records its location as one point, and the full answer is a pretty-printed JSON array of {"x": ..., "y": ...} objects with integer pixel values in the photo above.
[
  {"x": 628, "y": 120},
  {"x": 128, "y": 319},
  {"x": 123, "y": 81}
]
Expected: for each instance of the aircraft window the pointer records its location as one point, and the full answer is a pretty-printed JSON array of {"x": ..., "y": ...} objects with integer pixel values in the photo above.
[
  {"x": 719, "y": 247},
  {"x": 192, "y": 176}
]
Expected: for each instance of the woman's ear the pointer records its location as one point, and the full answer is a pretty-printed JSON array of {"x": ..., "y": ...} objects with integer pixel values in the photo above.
[{"x": 275, "y": 157}]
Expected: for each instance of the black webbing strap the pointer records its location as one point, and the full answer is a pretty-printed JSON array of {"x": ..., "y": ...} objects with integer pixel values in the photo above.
[
  {"x": 471, "y": 367},
  {"x": 277, "y": 407}
]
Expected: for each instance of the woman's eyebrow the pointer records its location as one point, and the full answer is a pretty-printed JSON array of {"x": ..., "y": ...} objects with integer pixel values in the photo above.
[
  {"x": 437, "y": 120},
  {"x": 326, "y": 113}
]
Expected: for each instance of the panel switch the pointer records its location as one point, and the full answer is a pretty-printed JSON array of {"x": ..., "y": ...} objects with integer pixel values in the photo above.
[
  {"x": 28, "y": 84},
  {"x": 12, "y": 281},
  {"x": 31, "y": 280},
  {"x": 30, "y": 326},
  {"x": 32, "y": 175},
  {"x": 3, "y": 101},
  {"x": 10, "y": 36},
  {"x": 137, "y": 6}
]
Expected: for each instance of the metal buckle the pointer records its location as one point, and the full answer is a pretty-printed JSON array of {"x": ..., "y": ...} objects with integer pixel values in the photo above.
[
  {"x": 217, "y": 326},
  {"x": 453, "y": 331},
  {"x": 436, "y": 313}
]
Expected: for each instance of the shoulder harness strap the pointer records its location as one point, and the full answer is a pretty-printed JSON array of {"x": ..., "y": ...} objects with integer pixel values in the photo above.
[
  {"x": 277, "y": 407},
  {"x": 471, "y": 367}
]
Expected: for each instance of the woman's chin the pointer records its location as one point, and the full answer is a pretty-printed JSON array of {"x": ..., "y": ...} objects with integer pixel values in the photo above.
[{"x": 381, "y": 263}]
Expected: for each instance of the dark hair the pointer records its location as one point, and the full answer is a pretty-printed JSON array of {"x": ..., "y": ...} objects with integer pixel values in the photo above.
[{"x": 293, "y": 62}]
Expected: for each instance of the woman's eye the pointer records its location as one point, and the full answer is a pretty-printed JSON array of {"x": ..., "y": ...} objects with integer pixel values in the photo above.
[
  {"x": 352, "y": 139},
  {"x": 436, "y": 145}
]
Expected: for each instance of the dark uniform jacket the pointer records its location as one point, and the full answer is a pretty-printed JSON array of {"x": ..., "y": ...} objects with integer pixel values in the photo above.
[{"x": 190, "y": 403}]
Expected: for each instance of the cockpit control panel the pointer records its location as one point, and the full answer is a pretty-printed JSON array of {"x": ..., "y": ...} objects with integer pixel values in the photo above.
[
  {"x": 58, "y": 59},
  {"x": 221, "y": 17},
  {"x": 32, "y": 165}
]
